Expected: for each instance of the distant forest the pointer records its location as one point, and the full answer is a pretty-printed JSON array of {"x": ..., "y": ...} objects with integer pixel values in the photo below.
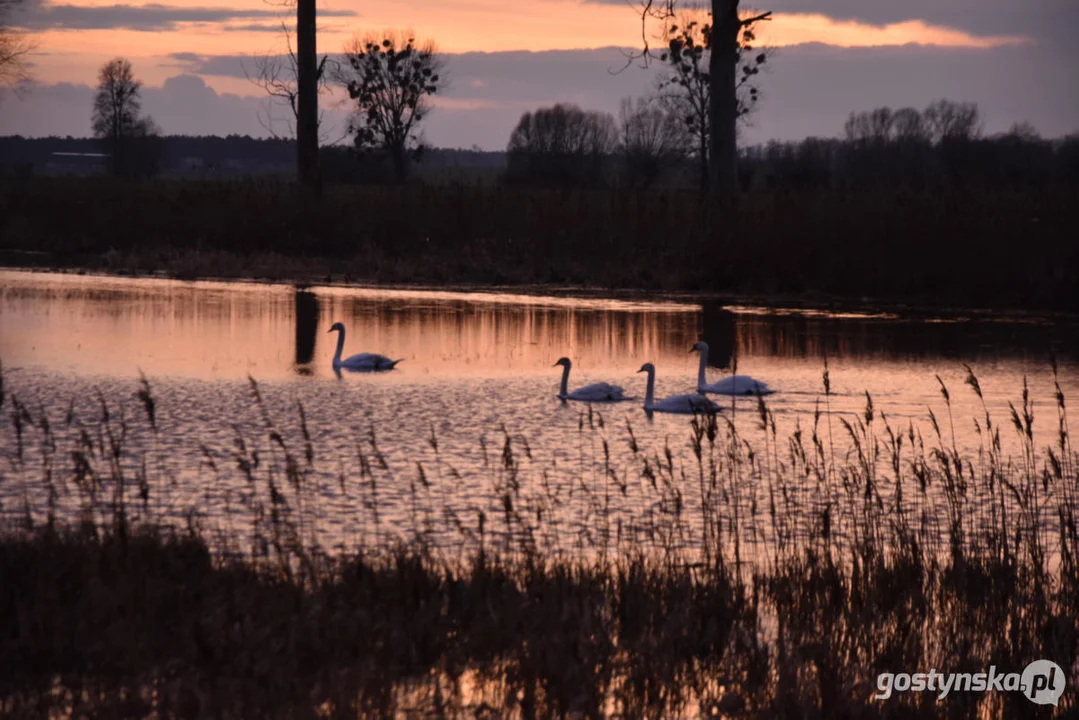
[
  {"x": 212, "y": 157},
  {"x": 873, "y": 153}
]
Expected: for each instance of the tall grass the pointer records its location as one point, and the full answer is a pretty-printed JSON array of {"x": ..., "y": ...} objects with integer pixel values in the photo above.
[
  {"x": 754, "y": 576},
  {"x": 998, "y": 246}
]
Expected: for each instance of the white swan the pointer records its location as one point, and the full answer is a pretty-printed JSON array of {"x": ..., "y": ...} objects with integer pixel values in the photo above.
[
  {"x": 596, "y": 392},
  {"x": 363, "y": 361},
  {"x": 684, "y": 404},
  {"x": 735, "y": 385}
]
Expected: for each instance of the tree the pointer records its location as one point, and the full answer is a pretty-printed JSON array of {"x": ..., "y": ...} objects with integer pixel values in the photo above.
[
  {"x": 14, "y": 48},
  {"x": 873, "y": 127},
  {"x": 277, "y": 76},
  {"x": 687, "y": 89},
  {"x": 117, "y": 119},
  {"x": 561, "y": 145},
  {"x": 307, "y": 100},
  {"x": 942, "y": 120},
  {"x": 727, "y": 37},
  {"x": 652, "y": 138},
  {"x": 952, "y": 121},
  {"x": 391, "y": 79}
]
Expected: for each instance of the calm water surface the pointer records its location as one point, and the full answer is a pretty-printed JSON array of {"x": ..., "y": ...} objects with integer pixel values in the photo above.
[{"x": 477, "y": 366}]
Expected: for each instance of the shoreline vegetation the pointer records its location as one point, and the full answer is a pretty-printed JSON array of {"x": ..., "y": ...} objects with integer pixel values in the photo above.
[
  {"x": 1000, "y": 247},
  {"x": 852, "y": 548}
]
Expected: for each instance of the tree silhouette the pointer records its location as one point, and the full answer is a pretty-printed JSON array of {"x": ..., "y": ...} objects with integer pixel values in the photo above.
[
  {"x": 652, "y": 138},
  {"x": 117, "y": 120},
  {"x": 726, "y": 36},
  {"x": 687, "y": 88},
  {"x": 952, "y": 121},
  {"x": 390, "y": 78},
  {"x": 14, "y": 47},
  {"x": 277, "y": 76},
  {"x": 307, "y": 99},
  {"x": 561, "y": 145}
]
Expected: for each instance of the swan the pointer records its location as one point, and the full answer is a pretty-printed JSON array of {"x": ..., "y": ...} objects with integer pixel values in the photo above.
[
  {"x": 684, "y": 404},
  {"x": 362, "y": 361},
  {"x": 735, "y": 385},
  {"x": 596, "y": 392}
]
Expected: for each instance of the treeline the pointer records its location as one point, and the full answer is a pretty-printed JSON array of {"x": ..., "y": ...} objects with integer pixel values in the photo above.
[
  {"x": 942, "y": 144},
  {"x": 643, "y": 147},
  {"x": 236, "y": 155},
  {"x": 647, "y": 145}
]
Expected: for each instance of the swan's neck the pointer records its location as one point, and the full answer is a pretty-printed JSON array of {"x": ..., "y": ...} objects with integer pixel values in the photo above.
[
  {"x": 649, "y": 393},
  {"x": 565, "y": 381},
  {"x": 701, "y": 380},
  {"x": 340, "y": 347}
]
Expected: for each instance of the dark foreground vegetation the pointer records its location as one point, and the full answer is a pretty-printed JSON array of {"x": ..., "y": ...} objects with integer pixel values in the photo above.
[
  {"x": 985, "y": 246},
  {"x": 902, "y": 555}
]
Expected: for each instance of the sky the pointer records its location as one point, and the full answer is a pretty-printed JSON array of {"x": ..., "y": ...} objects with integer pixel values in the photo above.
[{"x": 1016, "y": 58}]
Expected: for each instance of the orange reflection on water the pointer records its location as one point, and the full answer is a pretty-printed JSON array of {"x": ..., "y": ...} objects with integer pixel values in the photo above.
[{"x": 119, "y": 326}]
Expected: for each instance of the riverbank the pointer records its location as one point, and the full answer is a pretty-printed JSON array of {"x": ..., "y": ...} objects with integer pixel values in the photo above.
[{"x": 995, "y": 248}]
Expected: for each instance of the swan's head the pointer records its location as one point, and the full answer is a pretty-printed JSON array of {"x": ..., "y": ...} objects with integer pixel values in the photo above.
[
  {"x": 702, "y": 346},
  {"x": 337, "y": 326},
  {"x": 648, "y": 368},
  {"x": 564, "y": 362}
]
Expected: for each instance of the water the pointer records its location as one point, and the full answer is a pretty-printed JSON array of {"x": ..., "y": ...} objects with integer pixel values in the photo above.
[{"x": 477, "y": 368}]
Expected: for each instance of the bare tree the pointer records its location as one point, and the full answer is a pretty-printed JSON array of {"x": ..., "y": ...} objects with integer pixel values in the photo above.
[
  {"x": 391, "y": 79},
  {"x": 561, "y": 145},
  {"x": 908, "y": 126},
  {"x": 277, "y": 76},
  {"x": 872, "y": 127},
  {"x": 117, "y": 118},
  {"x": 951, "y": 121},
  {"x": 725, "y": 38},
  {"x": 652, "y": 139},
  {"x": 14, "y": 49},
  {"x": 942, "y": 120}
]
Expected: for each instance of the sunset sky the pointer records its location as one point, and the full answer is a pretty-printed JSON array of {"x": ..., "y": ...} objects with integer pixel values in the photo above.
[{"x": 1016, "y": 58}]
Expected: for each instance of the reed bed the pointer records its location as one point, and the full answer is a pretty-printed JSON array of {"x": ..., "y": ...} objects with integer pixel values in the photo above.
[
  {"x": 749, "y": 578},
  {"x": 941, "y": 246}
]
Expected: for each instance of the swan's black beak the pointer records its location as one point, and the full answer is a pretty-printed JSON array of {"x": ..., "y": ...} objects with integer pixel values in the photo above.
[{"x": 692, "y": 350}]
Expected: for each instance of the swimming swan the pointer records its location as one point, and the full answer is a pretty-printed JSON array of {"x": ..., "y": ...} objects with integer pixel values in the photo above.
[
  {"x": 684, "y": 404},
  {"x": 736, "y": 385},
  {"x": 362, "y": 361},
  {"x": 596, "y": 392}
]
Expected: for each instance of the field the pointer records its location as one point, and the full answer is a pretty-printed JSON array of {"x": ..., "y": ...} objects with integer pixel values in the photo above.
[
  {"x": 871, "y": 549},
  {"x": 999, "y": 246}
]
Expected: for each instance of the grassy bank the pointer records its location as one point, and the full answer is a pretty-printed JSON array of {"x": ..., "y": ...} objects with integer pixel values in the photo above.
[
  {"x": 999, "y": 247},
  {"x": 865, "y": 549}
]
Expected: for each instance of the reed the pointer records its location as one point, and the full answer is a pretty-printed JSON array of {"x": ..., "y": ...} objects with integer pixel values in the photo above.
[{"x": 749, "y": 576}]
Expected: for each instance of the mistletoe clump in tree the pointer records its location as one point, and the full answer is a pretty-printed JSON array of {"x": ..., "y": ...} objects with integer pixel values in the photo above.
[{"x": 391, "y": 79}]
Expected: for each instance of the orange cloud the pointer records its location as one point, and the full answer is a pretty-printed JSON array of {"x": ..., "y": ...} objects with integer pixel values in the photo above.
[{"x": 456, "y": 25}]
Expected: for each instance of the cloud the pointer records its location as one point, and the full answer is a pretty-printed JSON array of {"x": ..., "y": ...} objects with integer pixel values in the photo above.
[
  {"x": 978, "y": 17},
  {"x": 807, "y": 90},
  {"x": 148, "y": 18},
  {"x": 786, "y": 29}
]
